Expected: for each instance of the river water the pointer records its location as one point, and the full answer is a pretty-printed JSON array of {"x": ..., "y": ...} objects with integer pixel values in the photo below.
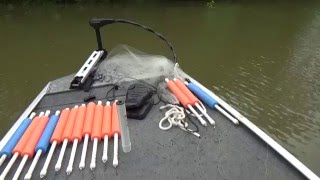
[{"x": 262, "y": 58}]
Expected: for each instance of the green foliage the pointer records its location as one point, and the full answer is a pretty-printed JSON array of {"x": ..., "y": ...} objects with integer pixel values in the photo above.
[{"x": 210, "y": 3}]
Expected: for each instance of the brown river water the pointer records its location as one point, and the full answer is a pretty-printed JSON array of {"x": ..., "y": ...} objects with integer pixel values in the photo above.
[{"x": 262, "y": 58}]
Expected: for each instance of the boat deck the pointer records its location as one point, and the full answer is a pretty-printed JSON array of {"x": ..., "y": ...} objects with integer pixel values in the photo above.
[{"x": 224, "y": 152}]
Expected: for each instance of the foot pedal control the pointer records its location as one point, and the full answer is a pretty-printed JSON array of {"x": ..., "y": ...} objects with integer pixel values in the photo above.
[{"x": 138, "y": 101}]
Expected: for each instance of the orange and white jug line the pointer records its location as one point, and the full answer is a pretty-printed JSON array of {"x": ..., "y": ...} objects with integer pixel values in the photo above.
[
  {"x": 44, "y": 141},
  {"x": 76, "y": 136},
  {"x": 116, "y": 133},
  {"x": 184, "y": 100},
  {"x": 193, "y": 99},
  {"x": 96, "y": 132},
  {"x": 20, "y": 145},
  {"x": 56, "y": 138},
  {"x": 66, "y": 136},
  {"x": 28, "y": 150},
  {"x": 86, "y": 132},
  {"x": 106, "y": 130},
  {"x": 14, "y": 139}
]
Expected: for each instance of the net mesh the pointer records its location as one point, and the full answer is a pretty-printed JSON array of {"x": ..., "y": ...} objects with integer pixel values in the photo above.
[{"x": 124, "y": 61}]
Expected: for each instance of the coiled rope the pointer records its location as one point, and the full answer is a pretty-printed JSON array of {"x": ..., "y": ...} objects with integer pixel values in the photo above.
[{"x": 175, "y": 116}]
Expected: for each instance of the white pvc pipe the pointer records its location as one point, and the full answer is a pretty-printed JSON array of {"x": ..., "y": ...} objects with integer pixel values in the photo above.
[
  {"x": 9, "y": 166},
  {"x": 105, "y": 149},
  {"x": 73, "y": 153},
  {"x": 60, "y": 158},
  {"x": 211, "y": 121},
  {"x": 14, "y": 158},
  {"x": 202, "y": 121},
  {"x": 84, "y": 152},
  {"x": 94, "y": 154},
  {"x": 41, "y": 114},
  {"x": 272, "y": 143},
  {"x": 43, "y": 171},
  {"x": 2, "y": 159},
  {"x": 232, "y": 119},
  {"x": 34, "y": 162},
  {"x": 18, "y": 172},
  {"x": 47, "y": 113},
  {"x": 33, "y": 165},
  {"x": 30, "y": 108},
  {"x": 4, "y": 156},
  {"x": 115, "y": 150}
]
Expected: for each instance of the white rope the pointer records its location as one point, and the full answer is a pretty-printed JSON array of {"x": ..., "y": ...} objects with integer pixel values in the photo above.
[{"x": 175, "y": 116}]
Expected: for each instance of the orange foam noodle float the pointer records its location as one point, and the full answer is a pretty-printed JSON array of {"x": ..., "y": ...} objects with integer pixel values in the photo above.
[
  {"x": 183, "y": 99},
  {"x": 193, "y": 99},
  {"x": 88, "y": 122},
  {"x": 26, "y": 136},
  {"x": 86, "y": 132},
  {"x": 56, "y": 138},
  {"x": 67, "y": 135},
  {"x": 58, "y": 131},
  {"x": 18, "y": 149},
  {"x": 43, "y": 143},
  {"x": 28, "y": 150},
  {"x": 76, "y": 136},
  {"x": 77, "y": 129},
  {"x": 32, "y": 142},
  {"x": 96, "y": 132},
  {"x": 97, "y": 122}
]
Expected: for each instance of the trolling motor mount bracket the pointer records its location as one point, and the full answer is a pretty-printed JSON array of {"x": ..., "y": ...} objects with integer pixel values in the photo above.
[{"x": 87, "y": 68}]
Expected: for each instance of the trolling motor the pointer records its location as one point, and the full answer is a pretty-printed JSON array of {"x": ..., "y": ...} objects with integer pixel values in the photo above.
[{"x": 84, "y": 77}]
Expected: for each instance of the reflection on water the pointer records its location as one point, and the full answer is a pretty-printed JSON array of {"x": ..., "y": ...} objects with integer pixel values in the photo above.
[
  {"x": 264, "y": 59},
  {"x": 282, "y": 94}
]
